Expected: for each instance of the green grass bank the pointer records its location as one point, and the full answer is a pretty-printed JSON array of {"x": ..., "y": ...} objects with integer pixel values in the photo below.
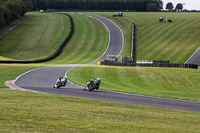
[
  {"x": 88, "y": 43},
  {"x": 37, "y": 38},
  {"x": 35, "y": 112},
  {"x": 160, "y": 82},
  {"x": 41, "y": 36},
  {"x": 175, "y": 41}
]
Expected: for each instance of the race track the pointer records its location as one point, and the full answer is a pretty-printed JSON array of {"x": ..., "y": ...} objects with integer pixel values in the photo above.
[
  {"x": 195, "y": 58},
  {"x": 43, "y": 79}
]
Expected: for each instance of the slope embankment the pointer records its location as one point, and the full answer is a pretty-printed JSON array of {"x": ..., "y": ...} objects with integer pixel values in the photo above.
[{"x": 50, "y": 57}]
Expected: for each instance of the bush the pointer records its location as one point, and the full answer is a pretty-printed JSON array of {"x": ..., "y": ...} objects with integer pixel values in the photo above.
[
  {"x": 12, "y": 9},
  {"x": 2, "y": 20}
]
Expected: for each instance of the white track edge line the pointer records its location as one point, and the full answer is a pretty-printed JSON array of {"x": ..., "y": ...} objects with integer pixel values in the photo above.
[
  {"x": 69, "y": 80},
  {"x": 25, "y": 73},
  {"x": 152, "y": 96},
  {"x": 108, "y": 41}
]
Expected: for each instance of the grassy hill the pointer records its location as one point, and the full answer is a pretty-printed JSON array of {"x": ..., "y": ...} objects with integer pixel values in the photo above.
[
  {"x": 38, "y": 37},
  {"x": 44, "y": 33},
  {"x": 35, "y": 112},
  {"x": 88, "y": 43},
  {"x": 175, "y": 41},
  {"x": 160, "y": 82}
]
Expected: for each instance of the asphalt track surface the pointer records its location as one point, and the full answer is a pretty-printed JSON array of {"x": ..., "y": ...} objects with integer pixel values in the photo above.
[
  {"x": 195, "y": 58},
  {"x": 43, "y": 80}
]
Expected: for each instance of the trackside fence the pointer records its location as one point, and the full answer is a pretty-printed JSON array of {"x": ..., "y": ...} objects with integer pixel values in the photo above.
[
  {"x": 133, "y": 42},
  {"x": 133, "y": 63}
]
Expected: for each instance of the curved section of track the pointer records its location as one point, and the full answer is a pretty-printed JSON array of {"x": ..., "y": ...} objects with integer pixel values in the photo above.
[
  {"x": 116, "y": 38},
  {"x": 43, "y": 79}
]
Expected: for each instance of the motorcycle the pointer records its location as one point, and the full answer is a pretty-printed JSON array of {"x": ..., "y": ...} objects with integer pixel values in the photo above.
[
  {"x": 61, "y": 82},
  {"x": 92, "y": 85}
]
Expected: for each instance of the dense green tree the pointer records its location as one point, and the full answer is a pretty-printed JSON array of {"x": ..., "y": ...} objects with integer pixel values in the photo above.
[
  {"x": 136, "y": 5},
  {"x": 152, "y": 7},
  {"x": 6, "y": 13},
  {"x": 158, "y": 4},
  {"x": 15, "y": 7},
  {"x": 42, "y": 4},
  {"x": 26, "y": 5},
  {"x": 169, "y": 6},
  {"x": 2, "y": 19},
  {"x": 179, "y": 7},
  {"x": 12, "y": 9}
]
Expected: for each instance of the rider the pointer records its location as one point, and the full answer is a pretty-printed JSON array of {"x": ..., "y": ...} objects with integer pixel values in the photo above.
[
  {"x": 96, "y": 81},
  {"x": 59, "y": 79},
  {"x": 64, "y": 80}
]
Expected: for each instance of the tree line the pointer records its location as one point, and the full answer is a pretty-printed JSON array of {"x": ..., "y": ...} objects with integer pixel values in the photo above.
[
  {"x": 134, "y": 5},
  {"x": 12, "y": 9},
  {"x": 170, "y": 7}
]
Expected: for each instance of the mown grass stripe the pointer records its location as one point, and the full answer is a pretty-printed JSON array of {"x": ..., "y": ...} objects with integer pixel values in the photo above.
[
  {"x": 82, "y": 48},
  {"x": 160, "y": 82},
  {"x": 53, "y": 55},
  {"x": 32, "y": 112},
  {"x": 161, "y": 41},
  {"x": 156, "y": 44},
  {"x": 28, "y": 52}
]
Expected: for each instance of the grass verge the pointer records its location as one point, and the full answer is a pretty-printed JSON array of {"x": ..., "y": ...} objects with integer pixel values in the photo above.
[
  {"x": 34, "y": 112},
  {"x": 160, "y": 82}
]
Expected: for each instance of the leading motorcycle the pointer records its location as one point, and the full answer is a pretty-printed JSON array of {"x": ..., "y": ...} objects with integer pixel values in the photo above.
[{"x": 93, "y": 84}]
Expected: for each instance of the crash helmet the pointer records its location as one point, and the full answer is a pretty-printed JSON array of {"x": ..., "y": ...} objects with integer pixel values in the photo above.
[
  {"x": 60, "y": 78},
  {"x": 98, "y": 79}
]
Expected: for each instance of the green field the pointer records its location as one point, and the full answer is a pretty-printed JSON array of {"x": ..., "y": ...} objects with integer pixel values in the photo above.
[
  {"x": 35, "y": 112},
  {"x": 38, "y": 37},
  {"x": 44, "y": 33},
  {"x": 12, "y": 23},
  {"x": 175, "y": 41},
  {"x": 88, "y": 43},
  {"x": 160, "y": 82}
]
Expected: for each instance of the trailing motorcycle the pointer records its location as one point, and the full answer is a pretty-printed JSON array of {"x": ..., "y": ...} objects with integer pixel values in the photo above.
[{"x": 61, "y": 82}]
